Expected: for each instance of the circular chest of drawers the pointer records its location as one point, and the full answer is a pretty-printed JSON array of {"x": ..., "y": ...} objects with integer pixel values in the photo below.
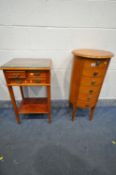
[{"x": 88, "y": 73}]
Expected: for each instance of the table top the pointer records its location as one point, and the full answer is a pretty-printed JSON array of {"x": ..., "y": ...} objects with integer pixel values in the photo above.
[
  {"x": 27, "y": 63},
  {"x": 92, "y": 53}
]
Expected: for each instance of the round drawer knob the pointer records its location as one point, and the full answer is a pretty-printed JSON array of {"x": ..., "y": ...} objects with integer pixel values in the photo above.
[
  {"x": 95, "y": 74},
  {"x": 93, "y": 83},
  {"x": 87, "y": 105},
  {"x": 90, "y": 91},
  {"x": 88, "y": 98}
]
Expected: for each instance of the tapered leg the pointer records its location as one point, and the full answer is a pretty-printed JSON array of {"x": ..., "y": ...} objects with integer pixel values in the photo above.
[
  {"x": 74, "y": 113},
  {"x": 70, "y": 104},
  {"x": 49, "y": 104},
  {"x": 22, "y": 93},
  {"x": 91, "y": 113},
  {"x": 14, "y": 103}
]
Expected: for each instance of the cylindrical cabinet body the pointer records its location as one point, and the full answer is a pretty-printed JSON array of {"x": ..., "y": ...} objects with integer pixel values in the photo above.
[{"x": 88, "y": 72}]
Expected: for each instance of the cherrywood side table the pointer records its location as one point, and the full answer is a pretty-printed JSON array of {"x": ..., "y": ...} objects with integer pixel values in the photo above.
[
  {"x": 88, "y": 73},
  {"x": 29, "y": 72}
]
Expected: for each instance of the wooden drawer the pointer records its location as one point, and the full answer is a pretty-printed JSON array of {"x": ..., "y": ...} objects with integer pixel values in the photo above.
[
  {"x": 85, "y": 104},
  {"x": 92, "y": 64},
  {"x": 37, "y": 77},
  {"x": 88, "y": 81},
  {"x": 93, "y": 72},
  {"x": 87, "y": 95},
  {"x": 39, "y": 80},
  {"x": 30, "y": 81},
  {"x": 15, "y": 74},
  {"x": 39, "y": 73},
  {"x": 27, "y": 77},
  {"x": 88, "y": 91},
  {"x": 16, "y": 81}
]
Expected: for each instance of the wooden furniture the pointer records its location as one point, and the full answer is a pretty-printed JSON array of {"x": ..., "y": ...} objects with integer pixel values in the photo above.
[
  {"x": 88, "y": 73},
  {"x": 29, "y": 72}
]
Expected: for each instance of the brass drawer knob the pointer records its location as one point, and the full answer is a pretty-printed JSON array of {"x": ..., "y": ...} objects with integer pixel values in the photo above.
[
  {"x": 95, "y": 74},
  {"x": 34, "y": 73},
  {"x": 31, "y": 74},
  {"x": 93, "y": 83},
  {"x": 18, "y": 81},
  {"x": 88, "y": 98},
  {"x": 38, "y": 81},
  {"x": 87, "y": 105},
  {"x": 90, "y": 91}
]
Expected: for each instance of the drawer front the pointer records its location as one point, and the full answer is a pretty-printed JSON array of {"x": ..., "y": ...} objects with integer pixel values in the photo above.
[
  {"x": 88, "y": 92},
  {"x": 93, "y": 72},
  {"x": 92, "y": 64},
  {"x": 15, "y": 74},
  {"x": 27, "y": 81},
  {"x": 85, "y": 104},
  {"x": 27, "y": 77},
  {"x": 89, "y": 89},
  {"x": 88, "y": 96},
  {"x": 38, "y": 80},
  {"x": 35, "y": 74},
  {"x": 88, "y": 81},
  {"x": 38, "y": 77}
]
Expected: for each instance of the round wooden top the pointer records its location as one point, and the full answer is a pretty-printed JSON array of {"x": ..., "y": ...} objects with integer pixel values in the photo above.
[{"x": 91, "y": 53}]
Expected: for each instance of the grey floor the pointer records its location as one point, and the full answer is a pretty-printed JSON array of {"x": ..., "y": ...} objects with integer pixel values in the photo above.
[{"x": 60, "y": 148}]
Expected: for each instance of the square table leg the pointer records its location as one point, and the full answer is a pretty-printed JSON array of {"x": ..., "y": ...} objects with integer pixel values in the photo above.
[
  {"x": 49, "y": 103},
  {"x": 14, "y": 103}
]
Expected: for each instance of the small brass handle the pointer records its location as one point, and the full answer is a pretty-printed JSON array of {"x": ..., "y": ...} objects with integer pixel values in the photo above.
[
  {"x": 93, "y": 82},
  {"x": 88, "y": 98},
  {"x": 90, "y": 91},
  {"x": 35, "y": 73},
  {"x": 38, "y": 81},
  {"x": 18, "y": 80},
  {"x": 87, "y": 105},
  {"x": 31, "y": 74},
  {"x": 95, "y": 74}
]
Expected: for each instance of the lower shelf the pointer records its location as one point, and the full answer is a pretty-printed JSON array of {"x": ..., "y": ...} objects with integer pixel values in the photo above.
[{"x": 33, "y": 106}]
